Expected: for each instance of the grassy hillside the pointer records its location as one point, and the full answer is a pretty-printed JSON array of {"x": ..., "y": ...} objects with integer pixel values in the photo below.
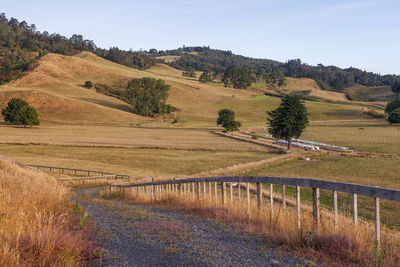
[
  {"x": 55, "y": 88},
  {"x": 368, "y": 93},
  {"x": 38, "y": 226}
]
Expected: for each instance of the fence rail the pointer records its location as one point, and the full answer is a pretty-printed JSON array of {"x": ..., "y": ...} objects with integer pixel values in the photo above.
[
  {"x": 87, "y": 178},
  {"x": 354, "y": 189},
  {"x": 78, "y": 171}
]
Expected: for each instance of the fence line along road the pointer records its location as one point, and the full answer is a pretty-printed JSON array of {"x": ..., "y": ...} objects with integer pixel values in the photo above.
[
  {"x": 78, "y": 171},
  {"x": 354, "y": 189},
  {"x": 107, "y": 177}
]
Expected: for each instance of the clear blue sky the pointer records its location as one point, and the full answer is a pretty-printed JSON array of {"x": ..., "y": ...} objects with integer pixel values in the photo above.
[{"x": 358, "y": 33}]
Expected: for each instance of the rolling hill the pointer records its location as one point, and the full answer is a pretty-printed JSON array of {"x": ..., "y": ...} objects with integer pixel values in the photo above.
[{"x": 55, "y": 88}]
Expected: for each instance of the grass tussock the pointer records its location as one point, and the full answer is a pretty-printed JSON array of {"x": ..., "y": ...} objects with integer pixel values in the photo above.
[
  {"x": 350, "y": 245},
  {"x": 38, "y": 226}
]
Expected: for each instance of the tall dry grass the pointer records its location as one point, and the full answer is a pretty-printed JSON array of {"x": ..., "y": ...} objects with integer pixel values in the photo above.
[
  {"x": 350, "y": 245},
  {"x": 38, "y": 226}
]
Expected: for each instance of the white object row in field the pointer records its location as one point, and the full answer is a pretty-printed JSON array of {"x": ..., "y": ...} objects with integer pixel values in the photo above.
[{"x": 308, "y": 144}]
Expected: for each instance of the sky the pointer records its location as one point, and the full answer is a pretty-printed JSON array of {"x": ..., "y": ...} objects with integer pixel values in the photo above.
[{"x": 353, "y": 33}]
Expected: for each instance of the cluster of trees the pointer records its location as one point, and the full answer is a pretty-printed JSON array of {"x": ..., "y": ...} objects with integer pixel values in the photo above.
[
  {"x": 189, "y": 73},
  {"x": 21, "y": 44},
  {"x": 206, "y": 77},
  {"x": 226, "y": 118},
  {"x": 18, "y": 112},
  {"x": 133, "y": 59},
  {"x": 274, "y": 79},
  {"x": 236, "y": 77},
  {"x": 148, "y": 96},
  {"x": 329, "y": 77}
]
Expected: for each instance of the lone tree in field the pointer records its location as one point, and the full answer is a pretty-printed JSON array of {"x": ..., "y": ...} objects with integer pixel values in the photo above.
[
  {"x": 148, "y": 96},
  {"x": 237, "y": 77},
  {"x": 396, "y": 88},
  {"x": 289, "y": 119},
  {"x": 392, "y": 105},
  {"x": 18, "y": 112},
  {"x": 226, "y": 118}
]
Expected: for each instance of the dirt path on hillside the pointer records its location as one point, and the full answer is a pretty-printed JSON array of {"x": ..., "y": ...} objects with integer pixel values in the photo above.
[{"x": 136, "y": 235}]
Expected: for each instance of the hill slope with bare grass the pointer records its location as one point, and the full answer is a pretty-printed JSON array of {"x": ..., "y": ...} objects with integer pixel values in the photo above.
[{"x": 55, "y": 88}]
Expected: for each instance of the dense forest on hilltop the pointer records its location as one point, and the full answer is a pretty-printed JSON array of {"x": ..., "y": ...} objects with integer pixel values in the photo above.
[
  {"x": 328, "y": 77},
  {"x": 21, "y": 44}
]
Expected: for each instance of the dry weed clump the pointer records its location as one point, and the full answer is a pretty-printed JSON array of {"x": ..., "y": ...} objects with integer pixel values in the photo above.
[
  {"x": 350, "y": 245},
  {"x": 38, "y": 226}
]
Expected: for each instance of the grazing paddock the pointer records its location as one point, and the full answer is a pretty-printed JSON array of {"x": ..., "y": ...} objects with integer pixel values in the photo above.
[
  {"x": 105, "y": 136},
  {"x": 376, "y": 136},
  {"x": 137, "y": 162},
  {"x": 367, "y": 171}
]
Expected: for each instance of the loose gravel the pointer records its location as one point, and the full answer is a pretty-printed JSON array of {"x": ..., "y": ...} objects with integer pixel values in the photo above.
[{"x": 137, "y": 235}]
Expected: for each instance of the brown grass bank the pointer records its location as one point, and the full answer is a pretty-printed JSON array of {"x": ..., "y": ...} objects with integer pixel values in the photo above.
[{"x": 38, "y": 225}]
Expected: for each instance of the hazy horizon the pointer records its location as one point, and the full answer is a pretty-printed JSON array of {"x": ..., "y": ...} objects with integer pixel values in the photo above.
[{"x": 362, "y": 34}]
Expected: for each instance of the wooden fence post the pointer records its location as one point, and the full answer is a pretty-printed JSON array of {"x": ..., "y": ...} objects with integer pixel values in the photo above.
[
  {"x": 193, "y": 191},
  {"x": 316, "y": 214},
  {"x": 209, "y": 190},
  {"x": 231, "y": 191},
  {"x": 271, "y": 200},
  {"x": 355, "y": 209},
  {"x": 335, "y": 211},
  {"x": 216, "y": 192},
  {"x": 377, "y": 226},
  {"x": 283, "y": 197},
  {"x": 198, "y": 190},
  {"x": 258, "y": 196},
  {"x": 298, "y": 207},
  {"x": 239, "y": 198},
  {"x": 223, "y": 193},
  {"x": 204, "y": 189},
  {"x": 248, "y": 197}
]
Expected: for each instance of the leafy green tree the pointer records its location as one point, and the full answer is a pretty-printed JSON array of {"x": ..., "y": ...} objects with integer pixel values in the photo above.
[
  {"x": 392, "y": 105},
  {"x": 206, "y": 77},
  {"x": 18, "y": 112},
  {"x": 238, "y": 78},
  {"x": 88, "y": 84},
  {"x": 226, "y": 118},
  {"x": 394, "y": 116},
  {"x": 30, "y": 116},
  {"x": 396, "y": 88},
  {"x": 275, "y": 79},
  {"x": 148, "y": 96},
  {"x": 289, "y": 120}
]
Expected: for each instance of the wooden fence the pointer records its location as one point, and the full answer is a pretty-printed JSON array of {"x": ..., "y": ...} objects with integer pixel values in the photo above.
[
  {"x": 354, "y": 189},
  {"x": 79, "y": 172}
]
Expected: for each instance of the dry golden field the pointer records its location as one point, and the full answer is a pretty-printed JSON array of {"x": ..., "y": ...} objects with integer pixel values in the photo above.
[
  {"x": 137, "y": 162},
  {"x": 370, "y": 136}
]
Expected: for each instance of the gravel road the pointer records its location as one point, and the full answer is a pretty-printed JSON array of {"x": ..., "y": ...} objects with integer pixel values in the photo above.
[{"x": 136, "y": 235}]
